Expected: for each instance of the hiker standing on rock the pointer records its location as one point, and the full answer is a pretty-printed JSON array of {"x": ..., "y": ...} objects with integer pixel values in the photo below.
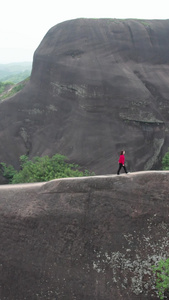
[{"x": 122, "y": 162}]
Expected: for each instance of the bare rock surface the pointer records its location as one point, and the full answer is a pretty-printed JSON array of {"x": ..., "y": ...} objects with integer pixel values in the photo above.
[
  {"x": 84, "y": 238},
  {"x": 97, "y": 86}
]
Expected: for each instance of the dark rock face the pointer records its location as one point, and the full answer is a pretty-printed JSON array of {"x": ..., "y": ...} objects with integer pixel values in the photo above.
[
  {"x": 84, "y": 238},
  {"x": 97, "y": 86}
]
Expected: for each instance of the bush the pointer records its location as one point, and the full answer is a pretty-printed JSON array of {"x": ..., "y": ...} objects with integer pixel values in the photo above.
[
  {"x": 4, "y": 85},
  {"x": 165, "y": 161},
  {"x": 45, "y": 168},
  {"x": 162, "y": 277},
  {"x": 7, "y": 171},
  {"x": 13, "y": 91}
]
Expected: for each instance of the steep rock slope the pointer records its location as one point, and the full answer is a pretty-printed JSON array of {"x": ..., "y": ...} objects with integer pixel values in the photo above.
[
  {"x": 97, "y": 86},
  {"x": 84, "y": 238}
]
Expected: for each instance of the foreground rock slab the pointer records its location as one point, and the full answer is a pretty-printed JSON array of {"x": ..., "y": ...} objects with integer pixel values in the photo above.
[{"x": 84, "y": 238}]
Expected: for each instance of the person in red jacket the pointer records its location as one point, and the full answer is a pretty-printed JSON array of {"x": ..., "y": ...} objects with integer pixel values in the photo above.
[{"x": 122, "y": 162}]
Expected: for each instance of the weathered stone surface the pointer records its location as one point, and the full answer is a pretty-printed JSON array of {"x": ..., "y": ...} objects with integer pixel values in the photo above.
[
  {"x": 96, "y": 86},
  {"x": 84, "y": 238}
]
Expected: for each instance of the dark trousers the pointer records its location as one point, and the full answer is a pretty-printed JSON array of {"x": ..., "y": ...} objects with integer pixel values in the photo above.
[{"x": 120, "y": 166}]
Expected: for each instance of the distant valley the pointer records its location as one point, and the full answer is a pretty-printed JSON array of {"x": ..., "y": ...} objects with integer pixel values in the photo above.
[{"x": 15, "y": 72}]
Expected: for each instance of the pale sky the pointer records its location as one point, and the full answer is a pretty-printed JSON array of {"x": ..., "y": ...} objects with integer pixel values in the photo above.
[{"x": 23, "y": 24}]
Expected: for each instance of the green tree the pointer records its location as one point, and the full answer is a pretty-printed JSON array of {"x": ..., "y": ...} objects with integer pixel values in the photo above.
[
  {"x": 165, "y": 161},
  {"x": 7, "y": 171},
  {"x": 13, "y": 91},
  {"x": 4, "y": 86},
  {"x": 161, "y": 272},
  {"x": 45, "y": 168}
]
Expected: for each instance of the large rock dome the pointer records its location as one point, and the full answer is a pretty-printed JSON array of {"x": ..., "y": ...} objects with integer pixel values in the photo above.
[{"x": 97, "y": 86}]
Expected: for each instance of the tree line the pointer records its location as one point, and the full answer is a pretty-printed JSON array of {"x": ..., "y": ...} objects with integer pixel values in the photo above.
[{"x": 42, "y": 169}]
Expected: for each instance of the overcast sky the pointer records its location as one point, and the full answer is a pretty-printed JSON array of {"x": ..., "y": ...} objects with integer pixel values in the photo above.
[{"x": 23, "y": 24}]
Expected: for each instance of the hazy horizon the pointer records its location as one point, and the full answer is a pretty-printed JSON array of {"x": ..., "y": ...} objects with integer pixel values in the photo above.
[
  {"x": 23, "y": 28},
  {"x": 15, "y": 62}
]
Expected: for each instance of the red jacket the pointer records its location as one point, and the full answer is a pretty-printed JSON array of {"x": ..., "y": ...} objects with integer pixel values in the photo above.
[{"x": 121, "y": 159}]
